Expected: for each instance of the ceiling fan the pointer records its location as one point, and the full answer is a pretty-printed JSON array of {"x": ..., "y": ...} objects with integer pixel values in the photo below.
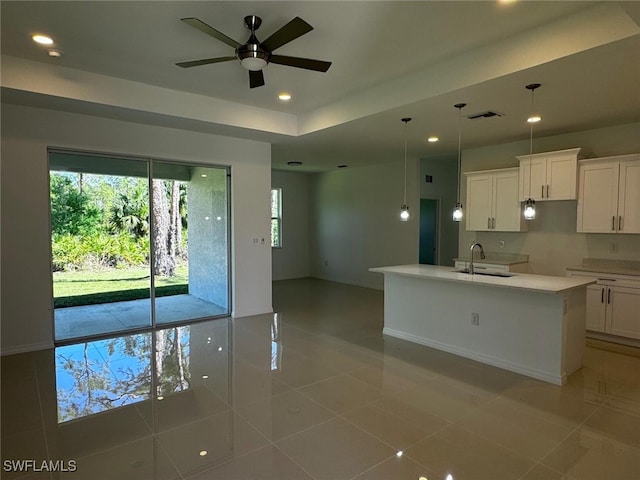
[{"x": 255, "y": 55}]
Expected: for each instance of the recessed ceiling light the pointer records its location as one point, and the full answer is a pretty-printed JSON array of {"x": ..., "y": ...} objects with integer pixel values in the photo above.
[
  {"x": 294, "y": 164},
  {"x": 203, "y": 453},
  {"x": 55, "y": 53},
  {"x": 42, "y": 39},
  {"x": 285, "y": 97},
  {"x": 432, "y": 139},
  {"x": 534, "y": 119}
]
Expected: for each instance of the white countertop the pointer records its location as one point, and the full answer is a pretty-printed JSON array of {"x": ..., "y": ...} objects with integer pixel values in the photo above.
[
  {"x": 619, "y": 267},
  {"x": 519, "y": 281}
]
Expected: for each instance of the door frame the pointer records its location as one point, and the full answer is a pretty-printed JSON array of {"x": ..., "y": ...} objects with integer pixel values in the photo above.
[{"x": 438, "y": 235}]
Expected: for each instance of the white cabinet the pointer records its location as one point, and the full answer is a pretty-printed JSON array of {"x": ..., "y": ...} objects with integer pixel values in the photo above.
[
  {"x": 613, "y": 304},
  {"x": 609, "y": 195},
  {"x": 549, "y": 176},
  {"x": 492, "y": 201}
]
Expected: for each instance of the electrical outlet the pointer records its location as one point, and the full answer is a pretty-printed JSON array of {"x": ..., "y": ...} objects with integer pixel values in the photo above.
[
  {"x": 475, "y": 318},
  {"x": 501, "y": 243}
]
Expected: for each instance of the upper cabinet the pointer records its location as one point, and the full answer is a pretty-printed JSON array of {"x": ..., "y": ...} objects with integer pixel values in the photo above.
[
  {"x": 609, "y": 195},
  {"x": 492, "y": 201},
  {"x": 549, "y": 176}
]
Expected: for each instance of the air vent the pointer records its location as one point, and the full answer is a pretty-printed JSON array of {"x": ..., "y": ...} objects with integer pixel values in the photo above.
[{"x": 487, "y": 114}]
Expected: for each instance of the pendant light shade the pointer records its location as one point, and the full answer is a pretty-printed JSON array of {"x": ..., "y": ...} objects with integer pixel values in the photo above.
[
  {"x": 404, "y": 209},
  {"x": 530, "y": 204},
  {"x": 457, "y": 211}
]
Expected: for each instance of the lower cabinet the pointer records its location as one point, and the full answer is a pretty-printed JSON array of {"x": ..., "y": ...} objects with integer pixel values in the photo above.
[{"x": 613, "y": 304}]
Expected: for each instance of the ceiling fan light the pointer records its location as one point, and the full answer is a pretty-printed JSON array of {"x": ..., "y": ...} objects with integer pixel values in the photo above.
[{"x": 253, "y": 64}]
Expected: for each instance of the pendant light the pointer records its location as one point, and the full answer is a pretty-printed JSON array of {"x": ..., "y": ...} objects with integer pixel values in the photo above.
[
  {"x": 457, "y": 211},
  {"x": 404, "y": 209},
  {"x": 530, "y": 204}
]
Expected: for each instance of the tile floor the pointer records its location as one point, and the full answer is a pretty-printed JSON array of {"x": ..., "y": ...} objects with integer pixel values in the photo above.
[{"x": 312, "y": 392}]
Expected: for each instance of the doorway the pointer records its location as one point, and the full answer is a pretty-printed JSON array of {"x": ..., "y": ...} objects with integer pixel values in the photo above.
[
  {"x": 429, "y": 208},
  {"x": 136, "y": 243}
]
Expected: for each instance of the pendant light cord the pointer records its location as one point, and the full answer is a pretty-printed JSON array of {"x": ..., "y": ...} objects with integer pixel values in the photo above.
[
  {"x": 459, "y": 106},
  {"x": 405, "y": 164},
  {"x": 531, "y": 143},
  {"x": 406, "y": 120}
]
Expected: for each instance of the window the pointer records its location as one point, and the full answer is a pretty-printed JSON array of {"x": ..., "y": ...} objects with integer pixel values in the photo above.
[{"x": 276, "y": 217}]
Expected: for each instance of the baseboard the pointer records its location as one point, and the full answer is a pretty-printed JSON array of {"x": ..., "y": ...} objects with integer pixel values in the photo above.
[{"x": 486, "y": 359}]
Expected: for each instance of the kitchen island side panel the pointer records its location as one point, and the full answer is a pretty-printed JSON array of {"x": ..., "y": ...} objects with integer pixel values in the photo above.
[{"x": 537, "y": 334}]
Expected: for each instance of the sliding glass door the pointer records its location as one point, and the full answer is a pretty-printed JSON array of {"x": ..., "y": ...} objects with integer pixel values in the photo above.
[
  {"x": 190, "y": 242},
  {"x": 136, "y": 243}
]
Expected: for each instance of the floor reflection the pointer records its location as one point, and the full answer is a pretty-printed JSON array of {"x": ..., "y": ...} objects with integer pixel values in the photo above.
[{"x": 312, "y": 392}]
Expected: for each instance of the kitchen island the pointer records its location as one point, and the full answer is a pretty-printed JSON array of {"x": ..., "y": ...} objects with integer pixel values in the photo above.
[{"x": 529, "y": 324}]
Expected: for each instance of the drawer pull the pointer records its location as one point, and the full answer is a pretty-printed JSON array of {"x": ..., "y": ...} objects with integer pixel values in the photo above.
[
  {"x": 620, "y": 223},
  {"x": 609, "y": 296},
  {"x": 602, "y": 296},
  {"x": 613, "y": 223}
]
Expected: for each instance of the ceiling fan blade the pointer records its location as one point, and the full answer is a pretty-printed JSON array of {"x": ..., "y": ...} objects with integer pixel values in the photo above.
[
  {"x": 203, "y": 27},
  {"x": 306, "y": 63},
  {"x": 204, "y": 61},
  {"x": 256, "y": 79},
  {"x": 292, "y": 30}
]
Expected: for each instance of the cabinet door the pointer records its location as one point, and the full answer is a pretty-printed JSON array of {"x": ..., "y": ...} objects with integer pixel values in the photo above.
[
  {"x": 624, "y": 308},
  {"x": 479, "y": 202},
  {"x": 598, "y": 197},
  {"x": 506, "y": 206},
  {"x": 596, "y": 303},
  {"x": 561, "y": 178},
  {"x": 537, "y": 170},
  {"x": 629, "y": 197}
]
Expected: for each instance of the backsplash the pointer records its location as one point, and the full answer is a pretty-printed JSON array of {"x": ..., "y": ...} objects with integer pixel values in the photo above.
[{"x": 552, "y": 242}]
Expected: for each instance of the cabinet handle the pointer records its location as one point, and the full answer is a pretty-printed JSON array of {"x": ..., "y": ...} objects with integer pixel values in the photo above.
[
  {"x": 547, "y": 191},
  {"x": 489, "y": 223},
  {"x": 620, "y": 223},
  {"x": 493, "y": 223},
  {"x": 542, "y": 191},
  {"x": 602, "y": 296},
  {"x": 609, "y": 296},
  {"x": 613, "y": 223}
]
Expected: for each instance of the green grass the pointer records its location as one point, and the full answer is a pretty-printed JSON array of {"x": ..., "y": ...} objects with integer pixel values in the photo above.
[{"x": 113, "y": 285}]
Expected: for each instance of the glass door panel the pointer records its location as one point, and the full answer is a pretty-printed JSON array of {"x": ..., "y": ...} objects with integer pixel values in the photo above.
[
  {"x": 190, "y": 242},
  {"x": 100, "y": 244}
]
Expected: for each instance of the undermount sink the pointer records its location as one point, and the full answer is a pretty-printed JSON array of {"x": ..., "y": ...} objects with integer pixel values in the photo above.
[{"x": 480, "y": 271}]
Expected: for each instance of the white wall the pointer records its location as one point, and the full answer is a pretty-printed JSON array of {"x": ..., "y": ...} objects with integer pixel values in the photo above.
[
  {"x": 292, "y": 259},
  {"x": 356, "y": 224},
  {"x": 552, "y": 242},
  {"x": 26, "y": 276}
]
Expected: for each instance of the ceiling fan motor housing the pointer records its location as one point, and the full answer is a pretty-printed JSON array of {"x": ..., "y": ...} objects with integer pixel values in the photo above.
[{"x": 252, "y": 56}]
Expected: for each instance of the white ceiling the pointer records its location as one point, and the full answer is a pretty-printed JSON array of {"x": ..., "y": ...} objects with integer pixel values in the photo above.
[{"x": 389, "y": 60}]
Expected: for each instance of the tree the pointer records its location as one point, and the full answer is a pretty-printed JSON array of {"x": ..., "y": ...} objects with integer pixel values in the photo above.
[
  {"x": 72, "y": 211},
  {"x": 164, "y": 263},
  {"x": 130, "y": 212}
]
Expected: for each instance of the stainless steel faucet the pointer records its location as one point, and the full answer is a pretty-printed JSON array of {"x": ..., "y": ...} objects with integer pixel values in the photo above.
[{"x": 476, "y": 244}]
